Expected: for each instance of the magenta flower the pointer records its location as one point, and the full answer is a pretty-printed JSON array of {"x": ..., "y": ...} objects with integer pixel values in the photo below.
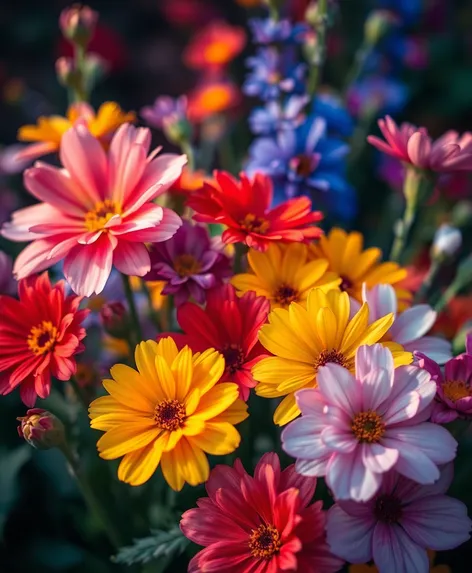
[
  {"x": 410, "y": 144},
  {"x": 354, "y": 429},
  {"x": 189, "y": 263},
  {"x": 98, "y": 211},
  {"x": 399, "y": 524}
]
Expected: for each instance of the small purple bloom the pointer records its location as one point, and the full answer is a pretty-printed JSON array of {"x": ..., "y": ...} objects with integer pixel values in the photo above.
[
  {"x": 164, "y": 111},
  {"x": 275, "y": 117},
  {"x": 189, "y": 263},
  {"x": 269, "y": 31},
  {"x": 377, "y": 95}
]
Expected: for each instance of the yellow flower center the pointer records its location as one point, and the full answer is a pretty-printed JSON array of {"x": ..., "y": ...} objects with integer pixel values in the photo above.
[
  {"x": 456, "y": 389},
  {"x": 388, "y": 508},
  {"x": 331, "y": 357},
  {"x": 254, "y": 224},
  {"x": 169, "y": 415},
  {"x": 285, "y": 294},
  {"x": 368, "y": 427},
  {"x": 97, "y": 218},
  {"x": 42, "y": 338},
  {"x": 187, "y": 265},
  {"x": 264, "y": 541}
]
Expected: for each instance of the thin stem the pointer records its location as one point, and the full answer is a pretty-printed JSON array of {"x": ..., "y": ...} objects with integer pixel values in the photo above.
[
  {"x": 447, "y": 296},
  {"x": 138, "y": 333},
  {"x": 357, "y": 66},
  {"x": 428, "y": 281},
  {"x": 187, "y": 148},
  {"x": 402, "y": 232},
  {"x": 315, "y": 70},
  {"x": 91, "y": 498},
  {"x": 81, "y": 395},
  {"x": 79, "y": 91}
]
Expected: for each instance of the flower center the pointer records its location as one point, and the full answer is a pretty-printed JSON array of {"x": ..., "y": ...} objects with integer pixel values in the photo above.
[
  {"x": 456, "y": 389},
  {"x": 274, "y": 77},
  {"x": 254, "y": 224},
  {"x": 42, "y": 338},
  {"x": 169, "y": 415},
  {"x": 331, "y": 357},
  {"x": 303, "y": 165},
  {"x": 346, "y": 284},
  {"x": 234, "y": 357},
  {"x": 368, "y": 427},
  {"x": 187, "y": 265},
  {"x": 97, "y": 218},
  {"x": 284, "y": 295},
  {"x": 264, "y": 541},
  {"x": 388, "y": 508}
]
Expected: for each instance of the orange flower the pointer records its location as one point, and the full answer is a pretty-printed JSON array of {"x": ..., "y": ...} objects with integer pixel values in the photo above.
[
  {"x": 214, "y": 46},
  {"x": 190, "y": 181},
  {"x": 212, "y": 98}
]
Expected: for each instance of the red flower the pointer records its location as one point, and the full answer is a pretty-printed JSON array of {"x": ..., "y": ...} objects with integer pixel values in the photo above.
[
  {"x": 259, "y": 525},
  {"x": 230, "y": 324},
  {"x": 244, "y": 207},
  {"x": 39, "y": 335}
]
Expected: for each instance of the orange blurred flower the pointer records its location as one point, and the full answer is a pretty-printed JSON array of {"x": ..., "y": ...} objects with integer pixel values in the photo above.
[
  {"x": 214, "y": 46},
  {"x": 212, "y": 98},
  {"x": 190, "y": 181},
  {"x": 249, "y": 3}
]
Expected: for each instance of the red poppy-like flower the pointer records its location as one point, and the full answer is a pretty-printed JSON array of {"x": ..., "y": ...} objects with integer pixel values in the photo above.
[
  {"x": 214, "y": 46},
  {"x": 230, "y": 324},
  {"x": 244, "y": 207},
  {"x": 39, "y": 336},
  {"x": 260, "y": 524}
]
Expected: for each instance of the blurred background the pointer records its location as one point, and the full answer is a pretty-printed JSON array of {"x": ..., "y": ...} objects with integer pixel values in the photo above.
[{"x": 421, "y": 72}]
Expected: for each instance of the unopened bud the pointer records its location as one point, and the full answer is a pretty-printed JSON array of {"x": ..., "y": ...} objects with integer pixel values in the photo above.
[
  {"x": 115, "y": 319},
  {"x": 78, "y": 23},
  {"x": 461, "y": 214},
  {"x": 447, "y": 242},
  {"x": 377, "y": 25},
  {"x": 66, "y": 71},
  {"x": 41, "y": 429}
]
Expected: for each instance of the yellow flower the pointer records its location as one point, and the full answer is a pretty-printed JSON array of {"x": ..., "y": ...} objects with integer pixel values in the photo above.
[
  {"x": 303, "y": 339},
  {"x": 283, "y": 275},
  {"x": 155, "y": 288},
  {"x": 355, "y": 266},
  {"x": 49, "y": 130},
  {"x": 373, "y": 569},
  {"x": 171, "y": 412}
]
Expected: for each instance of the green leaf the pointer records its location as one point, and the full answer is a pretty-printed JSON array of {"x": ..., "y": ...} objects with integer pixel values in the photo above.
[
  {"x": 11, "y": 463},
  {"x": 161, "y": 545}
]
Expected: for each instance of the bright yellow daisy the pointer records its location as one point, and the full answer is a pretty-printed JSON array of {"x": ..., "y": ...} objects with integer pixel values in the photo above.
[
  {"x": 171, "y": 412},
  {"x": 346, "y": 257},
  {"x": 304, "y": 338},
  {"x": 49, "y": 130},
  {"x": 283, "y": 275}
]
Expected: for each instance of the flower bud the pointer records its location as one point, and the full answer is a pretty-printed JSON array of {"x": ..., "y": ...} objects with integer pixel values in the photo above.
[
  {"x": 67, "y": 74},
  {"x": 78, "y": 23},
  {"x": 115, "y": 319},
  {"x": 377, "y": 25},
  {"x": 447, "y": 241},
  {"x": 41, "y": 429}
]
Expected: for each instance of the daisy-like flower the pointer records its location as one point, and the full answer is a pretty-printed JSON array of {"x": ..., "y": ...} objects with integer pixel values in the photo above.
[
  {"x": 171, "y": 412},
  {"x": 214, "y": 46},
  {"x": 355, "y": 266},
  {"x": 49, "y": 130},
  {"x": 244, "y": 207},
  {"x": 399, "y": 524},
  {"x": 263, "y": 523},
  {"x": 230, "y": 324},
  {"x": 302, "y": 339},
  {"x": 410, "y": 144},
  {"x": 283, "y": 275},
  {"x": 189, "y": 264},
  {"x": 98, "y": 210},
  {"x": 354, "y": 429},
  {"x": 39, "y": 336},
  {"x": 211, "y": 98},
  {"x": 410, "y": 326}
]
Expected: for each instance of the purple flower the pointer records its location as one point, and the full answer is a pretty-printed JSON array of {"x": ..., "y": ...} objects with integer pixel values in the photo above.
[
  {"x": 272, "y": 74},
  {"x": 275, "y": 117},
  {"x": 7, "y": 283},
  {"x": 354, "y": 429},
  {"x": 399, "y": 524},
  {"x": 377, "y": 95},
  {"x": 164, "y": 111},
  {"x": 189, "y": 263},
  {"x": 269, "y": 31},
  {"x": 453, "y": 387}
]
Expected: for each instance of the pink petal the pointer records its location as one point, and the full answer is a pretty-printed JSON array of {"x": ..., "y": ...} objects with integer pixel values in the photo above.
[
  {"x": 131, "y": 259},
  {"x": 166, "y": 229},
  {"x": 376, "y": 387},
  {"x": 35, "y": 150},
  {"x": 310, "y": 402},
  {"x": 302, "y": 438},
  {"x": 349, "y": 478},
  {"x": 462, "y": 162},
  {"x": 419, "y": 148},
  {"x": 36, "y": 257},
  {"x": 433, "y": 440},
  {"x": 312, "y": 467},
  {"x": 412, "y": 378},
  {"x": 378, "y": 458},
  {"x": 395, "y": 552},
  {"x": 403, "y": 407},
  {"x": 349, "y": 537},
  {"x": 413, "y": 323},
  {"x": 339, "y": 439},
  {"x": 440, "y": 153},
  {"x": 382, "y": 300},
  {"x": 339, "y": 388},
  {"x": 372, "y": 357},
  {"x": 24, "y": 219}
]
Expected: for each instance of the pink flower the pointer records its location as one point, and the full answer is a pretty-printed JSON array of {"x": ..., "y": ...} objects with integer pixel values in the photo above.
[
  {"x": 354, "y": 429},
  {"x": 260, "y": 524},
  {"x": 399, "y": 524},
  {"x": 413, "y": 145},
  {"x": 410, "y": 326},
  {"x": 97, "y": 211}
]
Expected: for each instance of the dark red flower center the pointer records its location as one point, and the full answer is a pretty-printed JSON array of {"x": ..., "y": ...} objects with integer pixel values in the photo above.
[
  {"x": 331, "y": 357},
  {"x": 42, "y": 338},
  {"x": 169, "y": 415},
  {"x": 388, "y": 508},
  {"x": 304, "y": 164},
  {"x": 187, "y": 265},
  {"x": 368, "y": 427},
  {"x": 346, "y": 283},
  {"x": 264, "y": 541},
  {"x": 285, "y": 294},
  {"x": 234, "y": 357}
]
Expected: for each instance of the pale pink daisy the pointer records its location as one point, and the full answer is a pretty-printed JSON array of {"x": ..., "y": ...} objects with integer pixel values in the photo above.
[
  {"x": 410, "y": 144},
  {"x": 353, "y": 429},
  {"x": 410, "y": 326},
  {"x": 97, "y": 211},
  {"x": 399, "y": 524}
]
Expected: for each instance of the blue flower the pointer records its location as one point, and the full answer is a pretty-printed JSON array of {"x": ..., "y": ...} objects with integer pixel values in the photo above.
[
  {"x": 306, "y": 161},
  {"x": 272, "y": 74},
  {"x": 408, "y": 10},
  {"x": 275, "y": 117},
  {"x": 377, "y": 94},
  {"x": 269, "y": 31},
  {"x": 331, "y": 108}
]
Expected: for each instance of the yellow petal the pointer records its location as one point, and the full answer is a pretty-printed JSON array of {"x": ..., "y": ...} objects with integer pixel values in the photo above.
[
  {"x": 268, "y": 391},
  {"x": 167, "y": 348},
  {"x": 218, "y": 439},
  {"x": 171, "y": 439},
  {"x": 245, "y": 282},
  {"x": 334, "y": 246},
  {"x": 307, "y": 276},
  {"x": 109, "y": 117},
  {"x": 193, "y": 426},
  {"x": 192, "y": 463},
  {"x": 293, "y": 260},
  {"x": 377, "y": 329},
  {"x": 166, "y": 378},
  {"x": 182, "y": 369},
  {"x": 191, "y": 401},
  {"x": 351, "y": 251},
  {"x": 171, "y": 471},
  {"x": 235, "y": 414},
  {"x": 364, "y": 263},
  {"x": 274, "y": 370},
  {"x": 281, "y": 339},
  {"x": 128, "y": 396},
  {"x": 295, "y": 383},
  {"x": 137, "y": 467},
  {"x": 316, "y": 299},
  {"x": 326, "y": 327},
  {"x": 306, "y": 328},
  {"x": 286, "y": 411},
  {"x": 400, "y": 356},
  {"x": 355, "y": 330},
  {"x": 216, "y": 401},
  {"x": 107, "y": 405},
  {"x": 208, "y": 367},
  {"x": 144, "y": 357},
  {"x": 130, "y": 379},
  {"x": 128, "y": 438},
  {"x": 266, "y": 265}
]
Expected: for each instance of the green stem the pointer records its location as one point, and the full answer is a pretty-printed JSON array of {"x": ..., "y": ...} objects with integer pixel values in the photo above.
[
  {"x": 81, "y": 395},
  {"x": 428, "y": 281},
  {"x": 137, "y": 331},
  {"x": 447, "y": 296},
  {"x": 91, "y": 498},
  {"x": 402, "y": 232},
  {"x": 357, "y": 66},
  {"x": 79, "y": 90},
  {"x": 315, "y": 70},
  {"x": 187, "y": 148}
]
